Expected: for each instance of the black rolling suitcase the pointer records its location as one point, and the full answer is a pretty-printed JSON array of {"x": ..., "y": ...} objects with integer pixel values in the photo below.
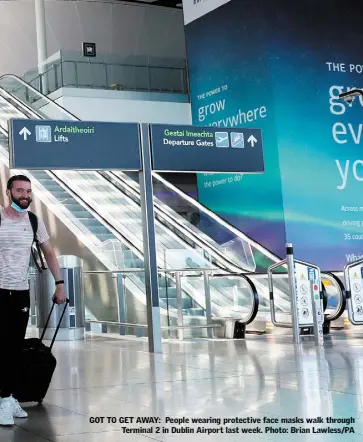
[{"x": 36, "y": 366}]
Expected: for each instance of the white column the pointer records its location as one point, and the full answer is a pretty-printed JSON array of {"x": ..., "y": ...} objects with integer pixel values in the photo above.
[{"x": 41, "y": 40}]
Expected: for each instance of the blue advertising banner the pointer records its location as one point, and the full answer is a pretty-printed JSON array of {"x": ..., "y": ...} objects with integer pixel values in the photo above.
[
  {"x": 81, "y": 145},
  {"x": 281, "y": 67},
  {"x": 206, "y": 149}
]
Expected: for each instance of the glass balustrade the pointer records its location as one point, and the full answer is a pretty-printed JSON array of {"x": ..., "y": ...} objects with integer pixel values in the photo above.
[{"x": 109, "y": 76}]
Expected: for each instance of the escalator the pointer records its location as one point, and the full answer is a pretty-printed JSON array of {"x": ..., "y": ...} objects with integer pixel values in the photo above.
[
  {"x": 333, "y": 288},
  {"x": 103, "y": 210}
]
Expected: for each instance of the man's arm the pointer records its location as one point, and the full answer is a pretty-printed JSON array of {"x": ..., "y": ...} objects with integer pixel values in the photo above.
[{"x": 50, "y": 257}]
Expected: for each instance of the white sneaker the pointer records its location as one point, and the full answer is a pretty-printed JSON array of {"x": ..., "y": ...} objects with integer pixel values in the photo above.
[
  {"x": 16, "y": 408},
  {"x": 6, "y": 413}
]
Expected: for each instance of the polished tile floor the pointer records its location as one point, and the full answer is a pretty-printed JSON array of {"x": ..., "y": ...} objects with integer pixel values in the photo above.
[{"x": 101, "y": 386}]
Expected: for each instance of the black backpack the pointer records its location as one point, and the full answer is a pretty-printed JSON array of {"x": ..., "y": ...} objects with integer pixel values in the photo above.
[{"x": 36, "y": 252}]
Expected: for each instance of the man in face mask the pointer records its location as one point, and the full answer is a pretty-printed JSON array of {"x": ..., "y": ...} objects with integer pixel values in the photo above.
[
  {"x": 19, "y": 201},
  {"x": 16, "y": 238}
]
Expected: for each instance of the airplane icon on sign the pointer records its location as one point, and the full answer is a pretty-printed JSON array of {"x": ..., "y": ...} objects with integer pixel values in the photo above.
[{"x": 222, "y": 139}]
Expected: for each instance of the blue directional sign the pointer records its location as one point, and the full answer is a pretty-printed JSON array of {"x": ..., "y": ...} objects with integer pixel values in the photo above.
[
  {"x": 79, "y": 145},
  {"x": 206, "y": 149}
]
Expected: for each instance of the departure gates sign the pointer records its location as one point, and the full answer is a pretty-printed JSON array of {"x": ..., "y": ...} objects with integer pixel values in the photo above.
[
  {"x": 41, "y": 144},
  {"x": 206, "y": 149},
  {"x": 83, "y": 145}
]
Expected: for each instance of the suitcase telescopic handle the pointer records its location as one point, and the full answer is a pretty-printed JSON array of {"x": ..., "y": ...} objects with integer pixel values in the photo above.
[{"x": 59, "y": 323}]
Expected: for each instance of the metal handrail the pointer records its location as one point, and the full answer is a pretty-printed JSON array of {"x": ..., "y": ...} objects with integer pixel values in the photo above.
[
  {"x": 10, "y": 98},
  {"x": 3, "y": 131},
  {"x": 163, "y": 327},
  {"x": 171, "y": 271},
  {"x": 182, "y": 88},
  {"x": 342, "y": 298},
  {"x": 102, "y": 63},
  {"x": 178, "y": 273},
  {"x": 43, "y": 97},
  {"x": 271, "y": 293},
  {"x": 256, "y": 298}
]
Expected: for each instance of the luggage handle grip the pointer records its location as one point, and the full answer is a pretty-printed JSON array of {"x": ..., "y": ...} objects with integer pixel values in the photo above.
[{"x": 59, "y": 323}]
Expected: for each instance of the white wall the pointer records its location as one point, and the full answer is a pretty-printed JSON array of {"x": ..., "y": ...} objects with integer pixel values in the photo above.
[
  {"x": 143, "y": 107},
  {"x": 125, "y": 30}
]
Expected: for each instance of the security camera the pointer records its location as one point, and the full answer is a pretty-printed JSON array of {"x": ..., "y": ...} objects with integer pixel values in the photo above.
[{"x": 350, "y": 96}]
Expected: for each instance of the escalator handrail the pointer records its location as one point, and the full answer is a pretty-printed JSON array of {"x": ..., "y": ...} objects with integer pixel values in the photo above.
[
  {"x": 33, "y": 89},
  {"x": 24, "y": 107},
  {"x": 256, "y": 301},
  {"x": 255, "y": 297},
  {"x": 342, "y": 297}
]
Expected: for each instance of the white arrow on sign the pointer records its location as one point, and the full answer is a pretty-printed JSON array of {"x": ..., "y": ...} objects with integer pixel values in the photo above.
[
  {"x": 25, "y": 132},
  {"x": 252, "y": 140}
]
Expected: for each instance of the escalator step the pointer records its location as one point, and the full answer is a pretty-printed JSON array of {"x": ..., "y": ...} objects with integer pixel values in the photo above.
[
  {"x": 105, "y": 236},
  {"x": 173, "y": 302},
  {"x": 193, "y": 312},
  {"x": 82, "y": 214}
]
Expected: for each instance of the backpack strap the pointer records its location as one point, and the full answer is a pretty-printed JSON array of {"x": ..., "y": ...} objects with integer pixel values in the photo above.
[{"x": 34, "y": 223}]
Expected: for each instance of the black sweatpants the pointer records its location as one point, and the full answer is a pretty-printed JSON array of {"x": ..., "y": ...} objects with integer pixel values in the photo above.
[{"x": 14, "y": 317}]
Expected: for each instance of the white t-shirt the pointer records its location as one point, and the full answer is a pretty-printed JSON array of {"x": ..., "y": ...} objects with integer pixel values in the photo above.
[{"x": 16, "y": 239}]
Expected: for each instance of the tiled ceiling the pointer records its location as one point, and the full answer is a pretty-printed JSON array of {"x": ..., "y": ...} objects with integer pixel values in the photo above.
[{"x": 165, "y": 3}]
